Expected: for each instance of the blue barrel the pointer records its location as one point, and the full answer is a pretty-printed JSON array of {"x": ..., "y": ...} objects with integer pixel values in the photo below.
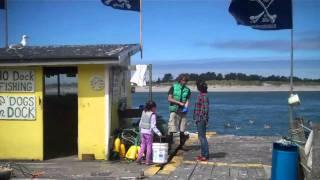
[{"x": 284, "y": 162}]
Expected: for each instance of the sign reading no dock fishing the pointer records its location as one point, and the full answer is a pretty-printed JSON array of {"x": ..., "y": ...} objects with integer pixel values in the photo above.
[
  {"x": 12, "y": 80},
  {"x": 18, "y": 107}
]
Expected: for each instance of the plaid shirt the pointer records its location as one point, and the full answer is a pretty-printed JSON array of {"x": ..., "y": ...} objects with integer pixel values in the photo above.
[{"x": 201, "y": 108}]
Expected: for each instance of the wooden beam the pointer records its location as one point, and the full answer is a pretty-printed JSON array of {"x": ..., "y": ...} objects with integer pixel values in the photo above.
[{"x": 316, "y": 152}]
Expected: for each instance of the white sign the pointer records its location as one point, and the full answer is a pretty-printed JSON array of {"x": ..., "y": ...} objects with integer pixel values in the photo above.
[
  {"x": 18, "y": 107},
  {"x": 12, "y": 80}
]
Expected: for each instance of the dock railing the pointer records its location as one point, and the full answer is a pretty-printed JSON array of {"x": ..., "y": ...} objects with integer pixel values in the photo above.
[
  {"x": 310, "y": 172},
  {"x": 315, "y": 172}
]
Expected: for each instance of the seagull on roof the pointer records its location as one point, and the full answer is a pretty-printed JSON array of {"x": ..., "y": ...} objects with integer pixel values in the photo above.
[{"x": 22, "y": 43}]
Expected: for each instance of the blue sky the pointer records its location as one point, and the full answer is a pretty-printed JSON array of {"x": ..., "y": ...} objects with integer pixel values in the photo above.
[{"x": 178, "y": 35}]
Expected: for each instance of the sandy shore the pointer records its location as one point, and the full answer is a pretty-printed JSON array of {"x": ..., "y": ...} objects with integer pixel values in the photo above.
[{"x": 219, "y": 88}]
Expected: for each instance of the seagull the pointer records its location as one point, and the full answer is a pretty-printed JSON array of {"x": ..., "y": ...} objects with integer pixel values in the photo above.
[
  {"x": 251, "y": 121},
  {"x": 266, "y": 126},
  {"x": 21, "y": 45},
  {"x": 227, "y": 125}
]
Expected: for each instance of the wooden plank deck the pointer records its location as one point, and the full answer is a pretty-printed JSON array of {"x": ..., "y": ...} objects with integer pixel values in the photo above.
[
  {"x": 231, "y": 157},
  {"x": 209, "y": 171}
]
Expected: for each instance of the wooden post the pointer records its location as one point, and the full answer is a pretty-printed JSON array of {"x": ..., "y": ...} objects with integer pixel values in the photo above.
[
  {"x": 299, "y": 136},
  {"x": 291, "y": 119},
  {"x": 316, "y": 152},
  {"x": 150, "y": 81}
]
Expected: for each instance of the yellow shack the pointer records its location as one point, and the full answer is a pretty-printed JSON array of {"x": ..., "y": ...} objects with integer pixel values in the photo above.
[{"x": 61, "y": 100}]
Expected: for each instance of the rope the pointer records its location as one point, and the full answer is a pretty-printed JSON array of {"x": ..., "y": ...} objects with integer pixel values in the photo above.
[
  {"x": 21, "y": 168},
  {"x": 130, "y": 135},
  {"x": 305, "y": 127}
]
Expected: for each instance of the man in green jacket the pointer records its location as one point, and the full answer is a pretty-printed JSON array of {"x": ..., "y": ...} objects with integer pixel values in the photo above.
[{"x": 178, "y": 98}]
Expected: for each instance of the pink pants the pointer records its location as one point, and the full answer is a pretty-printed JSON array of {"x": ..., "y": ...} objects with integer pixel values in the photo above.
[{"x": 146, "y": 145}]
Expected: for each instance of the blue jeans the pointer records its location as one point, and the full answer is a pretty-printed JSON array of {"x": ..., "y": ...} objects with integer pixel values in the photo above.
[{"x": 201, "y": 126}]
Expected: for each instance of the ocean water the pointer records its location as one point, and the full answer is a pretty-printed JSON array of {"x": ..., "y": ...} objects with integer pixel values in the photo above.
[{"x": 245, "y": 113}]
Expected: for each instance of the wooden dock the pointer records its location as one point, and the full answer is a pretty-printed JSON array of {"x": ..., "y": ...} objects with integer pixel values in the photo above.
[{"x": 231, "y": 157}]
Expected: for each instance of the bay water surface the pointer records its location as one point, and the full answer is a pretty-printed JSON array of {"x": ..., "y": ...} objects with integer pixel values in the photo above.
[{"x": 244, "y": 113}]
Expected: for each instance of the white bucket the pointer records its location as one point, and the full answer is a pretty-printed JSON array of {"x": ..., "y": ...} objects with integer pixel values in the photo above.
[
  {"x": 160, "y": 152},
  {"x": 294, "y": 99}
]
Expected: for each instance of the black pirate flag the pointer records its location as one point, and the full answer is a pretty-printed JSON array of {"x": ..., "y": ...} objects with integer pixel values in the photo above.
[
  {"x": 132, "y": 5},
  {"x": 263, "y": 14}
]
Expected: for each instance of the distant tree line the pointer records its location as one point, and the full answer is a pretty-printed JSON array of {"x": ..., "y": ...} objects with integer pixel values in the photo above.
[{"x": 168, "y": 77}]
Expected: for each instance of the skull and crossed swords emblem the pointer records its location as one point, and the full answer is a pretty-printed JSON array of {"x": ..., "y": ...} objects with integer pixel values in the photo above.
[
  {"x": 125, "y": 3},
  {"x": 271, "y": 17}
]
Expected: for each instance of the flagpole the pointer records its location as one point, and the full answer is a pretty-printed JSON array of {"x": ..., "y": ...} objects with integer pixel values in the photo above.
[
  {"x": 291, "y": 63},
  {"x": 6, "y": 23},
  {"x": 291, "y": 73},
  {"x": 140, "y": 13},
  {"x": 291, "y": 83}
]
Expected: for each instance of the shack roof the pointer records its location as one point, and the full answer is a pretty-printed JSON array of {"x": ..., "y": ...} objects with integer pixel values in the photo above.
[{"x": 67, "y": 54}]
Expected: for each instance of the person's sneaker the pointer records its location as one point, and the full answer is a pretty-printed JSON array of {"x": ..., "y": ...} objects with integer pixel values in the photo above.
[
  {"x": 198, "y": 158},
  {"x": 203, "y": 159}
]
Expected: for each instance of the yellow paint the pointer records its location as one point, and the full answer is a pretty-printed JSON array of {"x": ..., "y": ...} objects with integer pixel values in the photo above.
[
  {"x": 152, "y": 170},
  {"x": 23, "y": 139},
  {"x": 249, "y": 165},
  {"x": 210, "y": 134},
  {"x": 172, "y": 165},
  {"x": 91, "y": 113},
  {"x": 193, "y": 137}
]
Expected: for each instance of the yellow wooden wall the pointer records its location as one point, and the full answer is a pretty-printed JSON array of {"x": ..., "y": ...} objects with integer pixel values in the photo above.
[
  {"x": 23, "y": 139},
  {"x": 91, "y": 113}
]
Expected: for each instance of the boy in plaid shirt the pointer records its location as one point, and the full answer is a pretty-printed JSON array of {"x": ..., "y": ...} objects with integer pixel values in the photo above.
[{"x": 201, "y": 117}]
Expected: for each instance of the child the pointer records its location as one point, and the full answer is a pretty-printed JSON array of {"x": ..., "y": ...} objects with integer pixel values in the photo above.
[
  {"x": 147, "y": 125},
  {"x": 201, "y": 117}
]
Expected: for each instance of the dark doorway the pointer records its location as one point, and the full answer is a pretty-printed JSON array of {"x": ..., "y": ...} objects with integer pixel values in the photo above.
[{"x": 60, "y": 111}]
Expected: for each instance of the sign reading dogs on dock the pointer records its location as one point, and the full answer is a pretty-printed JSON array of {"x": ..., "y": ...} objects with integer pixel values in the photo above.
[
  {"x": 12, "y": 80},
  {"x": 18, "y": 107}
]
